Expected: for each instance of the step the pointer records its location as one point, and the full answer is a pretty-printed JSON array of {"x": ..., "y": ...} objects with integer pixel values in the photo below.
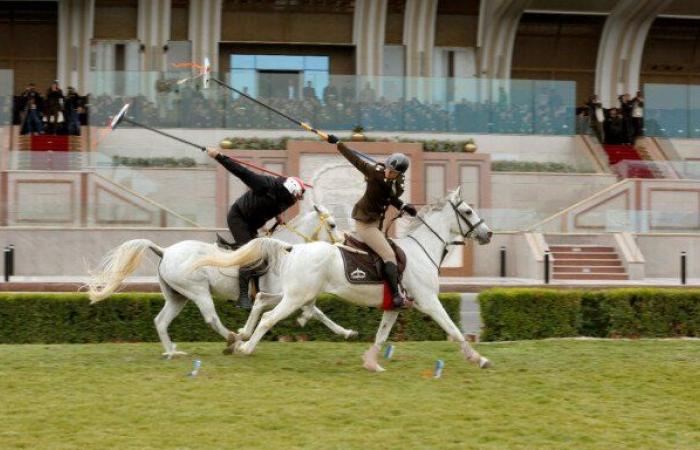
[
  {"x": 588, "y": 262},
  {"x": 584, "y": 255},
  {"x": 587, "y": 269},
  {"x": 581, "y": 248},
  {"x": 590, "y": 276}
]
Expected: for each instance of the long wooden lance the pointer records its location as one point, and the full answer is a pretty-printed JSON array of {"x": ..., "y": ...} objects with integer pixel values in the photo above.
[{"x": 121, "y": 117}]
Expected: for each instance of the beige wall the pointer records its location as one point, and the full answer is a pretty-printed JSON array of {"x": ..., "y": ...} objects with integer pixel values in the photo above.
[
  {"x": 138, "y": 142},
  {"x": 544, "y": 193},
  {"x": 663, "y": 254},
  {"x": 72, "y": 252},
  {"x": 190, "y": 192}
]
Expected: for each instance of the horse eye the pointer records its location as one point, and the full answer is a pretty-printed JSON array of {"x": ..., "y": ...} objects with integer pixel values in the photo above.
[
  {"x": 332, "y": 225},
  {"x": 469, "y": 212}
]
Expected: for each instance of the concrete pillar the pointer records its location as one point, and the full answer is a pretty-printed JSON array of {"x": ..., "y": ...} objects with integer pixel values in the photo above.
[
  {"x": 205, "y": 30},
  {"x": 154, "y": 32},
  {"x": 419, "y": 40},
  {"x": 369, "y": 24},
  {"x": 621, "y": 47},
  {"x": 75, "y": 25},
  {"x": 498, "y": 25}
]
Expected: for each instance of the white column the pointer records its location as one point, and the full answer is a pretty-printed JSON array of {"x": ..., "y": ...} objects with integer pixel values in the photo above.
[
  {"x": 204, "y": 30},
  {"x": 154, "y": 32},
  {"x": 498, "y": 25},
  {"x": 75, "y": 25},
  {"x": 368, "y": 31},
  {"x": 419, "y": 39},
  {"x": 621, "y": 48}
]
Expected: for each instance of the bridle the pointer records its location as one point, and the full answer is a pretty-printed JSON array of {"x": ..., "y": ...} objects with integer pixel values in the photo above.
[
  {"x": 323, "y": 223},
  {"x": 460, "y": 217}
]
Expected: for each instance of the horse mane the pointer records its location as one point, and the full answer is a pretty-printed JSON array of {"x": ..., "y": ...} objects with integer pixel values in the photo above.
[{"x": 414, "y": 222}]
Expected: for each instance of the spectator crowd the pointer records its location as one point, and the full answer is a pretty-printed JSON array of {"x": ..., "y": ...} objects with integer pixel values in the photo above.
[
  {"x": 344, "y": 108},
  {"x": 616, "y": 125},
  {"x": 52, "y": 113}
]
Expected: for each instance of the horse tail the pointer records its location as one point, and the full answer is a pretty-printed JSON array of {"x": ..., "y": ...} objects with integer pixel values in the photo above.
[
  {"x": 253, "y": 253},
  {"x": 116, "y": 266}
]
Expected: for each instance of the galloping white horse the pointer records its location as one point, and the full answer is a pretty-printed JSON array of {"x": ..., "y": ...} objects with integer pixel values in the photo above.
[
  {"x": 178, "y": 283},
  {"x": 310, "y": 269}
]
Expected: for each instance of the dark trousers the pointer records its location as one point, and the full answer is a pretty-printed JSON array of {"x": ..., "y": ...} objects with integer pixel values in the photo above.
[
  {"x": 32, "y": 123},
  {"x": 240, "y": 230}
]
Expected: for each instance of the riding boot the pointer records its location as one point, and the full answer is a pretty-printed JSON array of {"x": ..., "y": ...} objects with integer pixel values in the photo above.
[
  {"x": 391, "y": 275},
  {"x": 244, "y": 301}
]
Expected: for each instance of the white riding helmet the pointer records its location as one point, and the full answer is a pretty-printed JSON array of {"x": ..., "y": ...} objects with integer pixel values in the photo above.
[{"x": 295, "y": 186}]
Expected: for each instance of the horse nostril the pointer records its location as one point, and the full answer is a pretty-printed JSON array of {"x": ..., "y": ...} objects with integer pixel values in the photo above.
[{"x": 489, "y": 234}]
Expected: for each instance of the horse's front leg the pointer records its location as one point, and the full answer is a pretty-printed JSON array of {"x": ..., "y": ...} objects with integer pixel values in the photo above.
[
  {"x": 433, "y": 307},
  {"x": 263, "y": 302},
  {"x": 369, "y": 358}
]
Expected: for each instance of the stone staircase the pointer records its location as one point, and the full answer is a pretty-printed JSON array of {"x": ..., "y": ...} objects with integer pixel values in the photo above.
[{"x": 586, "y": 262}]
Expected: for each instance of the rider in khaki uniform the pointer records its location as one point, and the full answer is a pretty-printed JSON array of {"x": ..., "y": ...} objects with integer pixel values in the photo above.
[{"x": 384, "y": 187}]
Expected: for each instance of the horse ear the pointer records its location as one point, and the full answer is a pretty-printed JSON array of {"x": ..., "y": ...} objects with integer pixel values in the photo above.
[{"x": 456, "y": 195}]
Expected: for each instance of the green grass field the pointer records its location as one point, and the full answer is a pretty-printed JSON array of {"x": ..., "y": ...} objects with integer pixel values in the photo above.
[{"x": 544, "y": 394}]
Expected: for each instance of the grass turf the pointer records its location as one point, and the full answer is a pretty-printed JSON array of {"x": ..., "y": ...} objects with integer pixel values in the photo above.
[{"x": 540, "y": 394}]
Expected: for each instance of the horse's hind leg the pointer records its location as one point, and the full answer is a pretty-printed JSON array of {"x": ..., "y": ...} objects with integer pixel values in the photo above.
[
  {"x": 202, "y": 298},
  {"x": 369, "y": 358},
  {"x": 434, "y": 309},
  {"x": 286, "y": 307},
  {"x": 313, "y": 312},
  {"x": 174, "y": 302}
]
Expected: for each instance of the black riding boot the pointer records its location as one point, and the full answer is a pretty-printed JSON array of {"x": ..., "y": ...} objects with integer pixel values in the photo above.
[
  {"x": 391, "y": 275},
  {"x": 244, "y": 301}
]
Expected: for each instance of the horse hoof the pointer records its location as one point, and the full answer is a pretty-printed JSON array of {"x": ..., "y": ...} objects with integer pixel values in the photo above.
[
  {"x": 351, "y": 334},
  {"x": 374, "y": 367},
  {"x": 484, "y": 363},
  {"x": 173, "y": 354},
  {"x": 232, "y": 338}
]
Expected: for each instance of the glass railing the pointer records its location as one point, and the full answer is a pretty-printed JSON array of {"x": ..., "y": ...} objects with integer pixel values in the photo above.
[
  {"x": 688, "y": 170},
  {"x": 6, "y": 93},
  {"x": 340, "y": 102},
  {"x": 672, "y": 110}
]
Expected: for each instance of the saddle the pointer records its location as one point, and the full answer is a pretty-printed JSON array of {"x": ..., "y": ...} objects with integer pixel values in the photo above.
[{"x": 367, "y": 269}]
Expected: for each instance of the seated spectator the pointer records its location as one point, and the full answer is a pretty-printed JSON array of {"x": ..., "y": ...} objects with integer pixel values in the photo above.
[
  {"x": 31, "y": 104},
  {"x": 309, "y": 92}
]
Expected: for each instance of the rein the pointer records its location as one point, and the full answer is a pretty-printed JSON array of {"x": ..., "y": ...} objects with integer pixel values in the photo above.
[
  {"x": 323, "y": 223},
  {"x": 446, "y": 244}
]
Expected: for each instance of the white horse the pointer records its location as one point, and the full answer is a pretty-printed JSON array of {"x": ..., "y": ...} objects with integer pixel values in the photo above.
[
  {"x": 310, "y": 269},
  {"x": 179, "y": 284}
]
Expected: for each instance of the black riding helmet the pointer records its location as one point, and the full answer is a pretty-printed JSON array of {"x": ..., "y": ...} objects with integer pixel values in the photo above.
[{"x": 398, "y": 162}]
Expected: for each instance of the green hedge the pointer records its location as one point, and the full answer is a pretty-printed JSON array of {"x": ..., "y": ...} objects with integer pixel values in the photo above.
[
  {"x": 69, "y": 318},
  {"x": 510, "y": 314}
]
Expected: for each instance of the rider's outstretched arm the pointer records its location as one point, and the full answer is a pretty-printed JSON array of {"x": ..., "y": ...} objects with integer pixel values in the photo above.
[
  {"x": 255, "y": 181},
  {"x": 363, "y": 166}
]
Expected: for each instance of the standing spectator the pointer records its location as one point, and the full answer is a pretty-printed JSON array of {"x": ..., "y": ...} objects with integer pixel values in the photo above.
[
  {"x": 54, "y": 108},
  {"x": 626, "y": 109},
  {"x": 72, "y": 105},
  {"x": 637, "y": 116},
  {"x": 31, "y": 104},
  {"x": 615, "y": 128},
  {"x": 597, "y": 117}
]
